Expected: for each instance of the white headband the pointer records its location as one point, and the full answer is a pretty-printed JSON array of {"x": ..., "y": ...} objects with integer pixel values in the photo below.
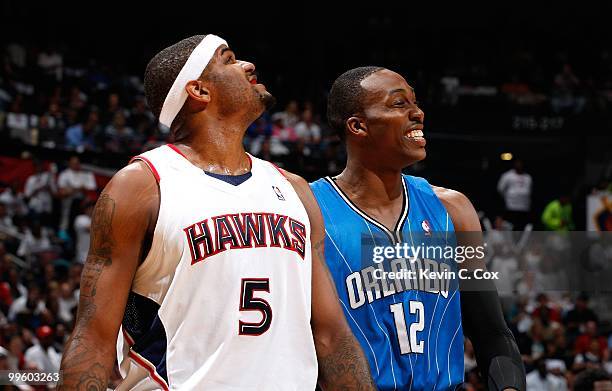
[{"x": 193, "y": 68}]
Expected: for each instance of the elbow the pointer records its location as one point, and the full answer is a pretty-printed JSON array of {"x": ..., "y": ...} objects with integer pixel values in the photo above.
[{"x": 328, "y": 339}]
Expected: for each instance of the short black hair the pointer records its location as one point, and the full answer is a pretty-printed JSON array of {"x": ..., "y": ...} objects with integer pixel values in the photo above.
[
  {"x": 163, "y": 69},
  {"x": 345, "y": 97}
]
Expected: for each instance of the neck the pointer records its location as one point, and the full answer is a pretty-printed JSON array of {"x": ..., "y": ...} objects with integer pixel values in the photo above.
[
  {"x": 215, "y": 145},
  {"x": 370, "y": 183}
]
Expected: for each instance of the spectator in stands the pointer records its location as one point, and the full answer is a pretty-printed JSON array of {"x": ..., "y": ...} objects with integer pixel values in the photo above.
[
  {"x": 18, "y": 122},
  {"x": 113, "y": 107},
  {"x": 579, "y": 316},
  {"x": 82, "y": 224},
  {"x": 565, "y": 92},
  {"x": 39, "y": 190},
  {"x": 469, "y": 357},
  {"x": 557, "y": 215},
  {"x": 140, "y": 113},
  {"x": 450, "y": 88},
  {"x": 282, "y": 137},
  {"x": 119, "y": 136},
  {"x": 540, "y": 379},
  {"x": 591, "y": 358},
  {"x": 77, "y": 99},
  {"x": 48, "y": 133},
  {"x": 42, "y": 355},
  {"x": 257, "y": 133},
  {"x": 290, "y": 116},
  {"x": 51, "y": 62},
  {"x": 14, "y": 200},
  {"x": 6, "y": 222},
  {"x": 84, "y": 136},
  {"x": 590, "y": 334},
  {"x": 67, "y": 303},
  {"x": 15, "y": 358},
  {"x": 11, "y": 276},
  {"x": 545, "y": 310},
  {"x": 27, "y": 309},
  {"x": 54, "y": 112},
  {"x": 307, "y": 130},
  {"x": 505, "y": 262},
  {"x": 515, "y": 187},
  {"x": 73, "y": 183},
  {"x": 282, "y": 132},
  {"x": 36, "y": 240}
]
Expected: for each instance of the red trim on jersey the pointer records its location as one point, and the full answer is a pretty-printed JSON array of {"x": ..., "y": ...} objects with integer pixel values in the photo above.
[
  {"x": 175, "y": 149},
  {"x": 149, "y": 164},
  {"x": 149, "y": 368},
  {"x": 279, "y": 170},
  {"x": 128, "y": 337}
]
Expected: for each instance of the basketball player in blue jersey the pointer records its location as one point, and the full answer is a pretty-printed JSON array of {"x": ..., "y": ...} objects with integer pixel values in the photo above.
[
  {"x": 205, "y": 261},
  {"x": 411, "y": 328}
]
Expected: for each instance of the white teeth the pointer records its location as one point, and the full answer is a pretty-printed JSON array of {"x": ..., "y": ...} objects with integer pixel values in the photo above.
[{"x": 415, "y": 134}]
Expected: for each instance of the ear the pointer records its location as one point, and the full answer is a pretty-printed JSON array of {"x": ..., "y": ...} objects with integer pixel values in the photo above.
[
  {"x": 198, "y": 92},
  {"x": 357, "y": 127}
]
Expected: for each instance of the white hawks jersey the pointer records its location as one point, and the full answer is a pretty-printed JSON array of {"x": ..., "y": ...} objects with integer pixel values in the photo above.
[{"x": 223, "y": 299}]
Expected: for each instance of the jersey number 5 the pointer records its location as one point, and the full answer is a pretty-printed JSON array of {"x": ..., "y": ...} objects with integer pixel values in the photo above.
[
  {"x": 406, "y": 345},
  {"x": 250, "y": 303}
]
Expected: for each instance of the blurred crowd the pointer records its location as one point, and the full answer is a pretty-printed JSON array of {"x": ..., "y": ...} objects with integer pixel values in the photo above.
[
  {"x": 44, "y": 238},
  {"x": 44, "y": 221},
  {"x": 56, "y": 100}
]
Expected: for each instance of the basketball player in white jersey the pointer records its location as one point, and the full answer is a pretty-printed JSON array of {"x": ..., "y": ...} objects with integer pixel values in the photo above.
[{"x": 207, "y": 262}]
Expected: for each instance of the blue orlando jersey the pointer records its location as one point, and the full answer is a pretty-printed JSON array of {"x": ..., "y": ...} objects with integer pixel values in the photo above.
[{"x": 408, "y": 323}]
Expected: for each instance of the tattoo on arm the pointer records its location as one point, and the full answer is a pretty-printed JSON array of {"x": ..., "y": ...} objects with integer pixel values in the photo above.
[
  {"x": 81, "y": 366},
  {"x": 346, "y": 368},
  {"x": 319, "y": 249}
]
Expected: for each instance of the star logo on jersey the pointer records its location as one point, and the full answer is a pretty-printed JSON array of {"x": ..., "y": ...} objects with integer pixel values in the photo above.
[
  {"x": 426, "y": 227},
  {"x": 278, "y": 193}
]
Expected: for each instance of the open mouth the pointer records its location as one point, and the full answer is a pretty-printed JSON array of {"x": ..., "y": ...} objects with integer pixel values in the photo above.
[
  {"x": 416, "y": 137},
  {"x": 417, "y": 133}
]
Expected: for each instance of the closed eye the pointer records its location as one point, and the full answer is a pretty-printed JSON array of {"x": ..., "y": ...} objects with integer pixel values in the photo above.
[{"x": 230, "y": 60}]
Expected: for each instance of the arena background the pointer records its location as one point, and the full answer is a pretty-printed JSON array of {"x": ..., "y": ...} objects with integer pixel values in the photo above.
[{"x": 512, "y": 81}]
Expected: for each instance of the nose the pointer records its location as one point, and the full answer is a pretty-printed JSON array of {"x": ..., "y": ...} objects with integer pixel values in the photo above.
[
  {"x": 417, "y": 115},
  {"x": 248, "y": 67}
]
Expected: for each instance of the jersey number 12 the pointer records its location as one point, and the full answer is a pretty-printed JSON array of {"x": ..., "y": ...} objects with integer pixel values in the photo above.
[{"x": 409, "y": 345}]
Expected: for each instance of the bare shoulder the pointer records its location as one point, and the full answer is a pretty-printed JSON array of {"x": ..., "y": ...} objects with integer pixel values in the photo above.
[
  {"x": 294, "y": 179},
  {"x": 459, "y": 208},
  {"x": 134, "y": 190},
  {"x": 132, "y": 180},
  {"x": 299, "y": 184},
  {"x": 451, "y": 198},
  {"x": 302, "y": 188}
]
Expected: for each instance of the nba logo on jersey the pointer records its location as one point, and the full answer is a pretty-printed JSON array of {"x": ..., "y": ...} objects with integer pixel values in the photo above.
[
  {"x": 426, "y": 227},
  {"x": 279, "y": 194}
]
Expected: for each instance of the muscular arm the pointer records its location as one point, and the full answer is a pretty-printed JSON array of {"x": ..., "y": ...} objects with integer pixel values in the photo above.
[
  {"x": 496, "y": 351},
  {"x": 122, "y": 217},
  {"x": 342, "y": 364}
]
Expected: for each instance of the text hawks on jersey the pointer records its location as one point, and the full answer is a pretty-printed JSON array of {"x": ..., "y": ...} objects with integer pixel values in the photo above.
[{"x": 245, "y": 230}]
